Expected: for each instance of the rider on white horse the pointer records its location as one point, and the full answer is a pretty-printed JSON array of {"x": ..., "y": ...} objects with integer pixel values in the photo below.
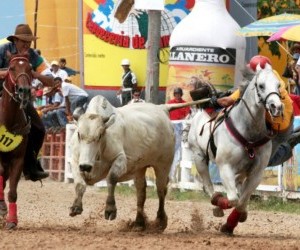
[{"x": 285, "y": 140}]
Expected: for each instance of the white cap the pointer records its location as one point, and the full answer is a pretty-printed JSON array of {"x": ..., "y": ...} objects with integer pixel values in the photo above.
[{"x": 125, "y": 62}]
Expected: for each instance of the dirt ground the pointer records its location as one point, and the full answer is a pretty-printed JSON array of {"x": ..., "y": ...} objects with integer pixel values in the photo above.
[{"x": 44, "y": 223}]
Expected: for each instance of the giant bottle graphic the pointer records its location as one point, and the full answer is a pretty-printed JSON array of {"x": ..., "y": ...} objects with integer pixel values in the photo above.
[{"x": 205, "y": 44}]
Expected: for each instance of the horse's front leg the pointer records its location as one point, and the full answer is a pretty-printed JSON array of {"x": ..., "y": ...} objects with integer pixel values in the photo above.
[
  {"x": 228, "y": 179},
  {"x": 239, "y": 213},
  {"x": 3, "y": 178},
  {"x": 14, "y": 177},
  {"x": 118, "y": 169},
  {"x": 3, "y": 206}
]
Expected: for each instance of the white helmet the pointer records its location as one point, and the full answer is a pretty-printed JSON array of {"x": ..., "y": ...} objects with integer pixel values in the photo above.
[{"x": 125, "y": 62}]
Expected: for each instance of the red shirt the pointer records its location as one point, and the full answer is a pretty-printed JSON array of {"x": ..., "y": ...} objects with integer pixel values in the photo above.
[
  {"x": 181, "y": 113},
  {"x": 296, "y": 103}
]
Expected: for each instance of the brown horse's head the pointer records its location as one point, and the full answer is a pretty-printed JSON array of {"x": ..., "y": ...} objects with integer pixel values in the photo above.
[{"x": 18, "y": 81}]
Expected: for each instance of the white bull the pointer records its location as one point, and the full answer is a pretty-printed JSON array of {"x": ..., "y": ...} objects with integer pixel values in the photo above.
[{"x": 119, "y": 144}]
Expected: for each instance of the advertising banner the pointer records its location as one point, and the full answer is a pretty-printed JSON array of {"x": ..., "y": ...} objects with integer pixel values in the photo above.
[
  {"x": 211, "y": 64},
  {"x": 106, "y": 41},
  {"x": 149, "y": 4}
]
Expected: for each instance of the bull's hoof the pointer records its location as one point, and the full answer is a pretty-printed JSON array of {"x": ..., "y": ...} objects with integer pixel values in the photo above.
[
  {"x": 243, "y": 216},
  {"x": 10, "y": 225},
  {"x": 228, "y": 231},
  {"x": 75, "y": 210},
  {"x": 218, "y": 212},
  {"x": 110, "y": 215}
]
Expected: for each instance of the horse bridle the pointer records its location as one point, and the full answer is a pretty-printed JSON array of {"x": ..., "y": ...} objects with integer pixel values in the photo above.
[
  {"x": 15, "y": 79},
  {"x": 264, "y": 102},
  {"x": 250, "y": 146}
]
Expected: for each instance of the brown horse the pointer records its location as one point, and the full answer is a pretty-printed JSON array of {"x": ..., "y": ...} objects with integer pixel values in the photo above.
[{"x": 14, "y": 129}]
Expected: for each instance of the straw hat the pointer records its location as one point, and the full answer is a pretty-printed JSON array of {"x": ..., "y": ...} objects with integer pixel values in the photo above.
[
  {"x": 54, "y": 63},
  {"x": 24, "y": 33}
]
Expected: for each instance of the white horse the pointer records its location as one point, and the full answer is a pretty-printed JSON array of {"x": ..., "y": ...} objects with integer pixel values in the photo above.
[{"x": 239, "y": 144}]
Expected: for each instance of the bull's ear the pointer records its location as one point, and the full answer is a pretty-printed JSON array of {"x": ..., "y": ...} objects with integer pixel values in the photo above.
[
  {"x": 77, "y": 113},
  {"x": 108, "y": 121}
]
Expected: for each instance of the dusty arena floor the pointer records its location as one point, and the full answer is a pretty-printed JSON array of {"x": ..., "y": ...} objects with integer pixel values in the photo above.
[{"x": 44, "y": 223}]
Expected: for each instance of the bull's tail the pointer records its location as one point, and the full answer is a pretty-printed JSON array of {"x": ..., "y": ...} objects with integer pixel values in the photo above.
[{"x": 172, "y": 106}]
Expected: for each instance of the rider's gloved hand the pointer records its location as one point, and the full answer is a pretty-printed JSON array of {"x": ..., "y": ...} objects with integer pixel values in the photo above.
[{"x": 214, "y": 102}]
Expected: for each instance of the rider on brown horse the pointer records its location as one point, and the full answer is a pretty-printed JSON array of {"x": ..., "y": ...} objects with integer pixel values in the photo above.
[{"x": 20, "y": 42}]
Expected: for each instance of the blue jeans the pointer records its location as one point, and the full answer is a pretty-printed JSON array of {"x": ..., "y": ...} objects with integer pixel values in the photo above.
[
  {"x": 77, "y": 101},
  {"x": 61, "y": 117},
  {"x": 48, "y": 120},
  {"x": 281, "y": 150}
]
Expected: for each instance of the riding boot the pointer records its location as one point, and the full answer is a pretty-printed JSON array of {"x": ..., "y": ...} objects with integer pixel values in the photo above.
[{"x": 32, "y": 167}]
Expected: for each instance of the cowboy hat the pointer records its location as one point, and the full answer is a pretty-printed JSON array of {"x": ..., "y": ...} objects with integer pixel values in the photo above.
[{"x": 22, "y": 32}]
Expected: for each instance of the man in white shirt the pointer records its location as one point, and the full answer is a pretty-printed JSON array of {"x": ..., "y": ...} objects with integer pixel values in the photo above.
[
  {"x": 73, "y": 96},
  {"x": 129, "y": 82},
  {"x": 136, "y": 97},
  {"x": 49, "y": 111},
  {"x": 57, "y": 72}
]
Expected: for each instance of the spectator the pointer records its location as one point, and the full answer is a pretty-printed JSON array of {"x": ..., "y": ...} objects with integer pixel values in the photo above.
[
  {"x": 129, "y": 83},
  {"x": 49, "y": 110},
  {"x": 136, "y": 97},
  {"x": 62, "y": 65},
  {"x": 291, "y": 73},
  {"x": 73, "y": 96},
  {"x": 39, "y": 95},
  {"x": 296, "y": 104},
  {"x": 181, "y": 113},
  {"x": 57, "y": 72},
  {"x": 297, "y": 69}
]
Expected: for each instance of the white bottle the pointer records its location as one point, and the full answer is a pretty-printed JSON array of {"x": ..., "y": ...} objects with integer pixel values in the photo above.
[{"x": 205, "y": 44}]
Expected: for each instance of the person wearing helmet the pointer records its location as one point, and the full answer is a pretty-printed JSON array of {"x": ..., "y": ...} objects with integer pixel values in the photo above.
[
  {"x": 129, "y": 83},
  {"x": 181, "y": 113},
  {"x": 286, "y": 139}
]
